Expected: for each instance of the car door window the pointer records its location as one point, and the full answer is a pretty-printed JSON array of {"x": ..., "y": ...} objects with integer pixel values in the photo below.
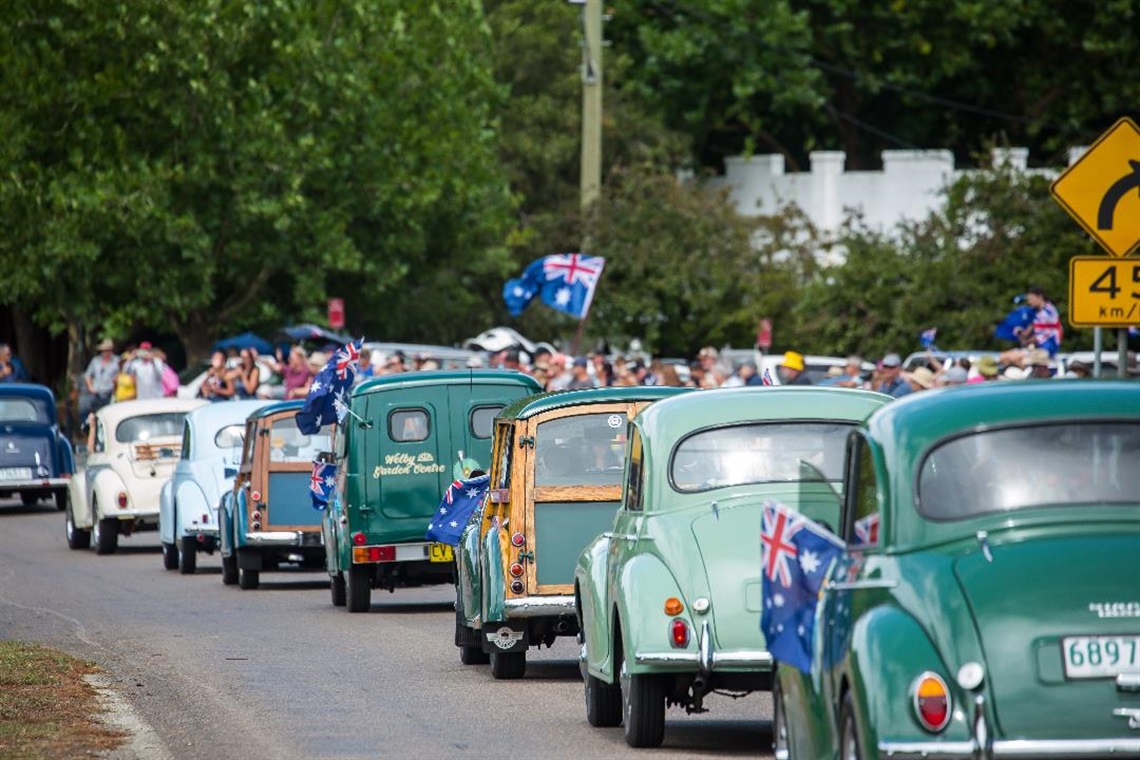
[
  {"x": 861, "y": 528},
  {"x": 186, "y": 440},
  {"x": 408, "y": 425},
  {"x": 634, "y": 485}
]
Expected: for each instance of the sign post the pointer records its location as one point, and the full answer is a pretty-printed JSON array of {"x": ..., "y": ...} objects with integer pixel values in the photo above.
[
  {"x": 336, "y": 313},
  {"x": 1101, "y": 191}
]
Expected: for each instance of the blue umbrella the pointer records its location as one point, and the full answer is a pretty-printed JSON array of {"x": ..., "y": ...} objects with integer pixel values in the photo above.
[
  {"x": 313, "y": 332},
  {"x": 245, "y": 340}
]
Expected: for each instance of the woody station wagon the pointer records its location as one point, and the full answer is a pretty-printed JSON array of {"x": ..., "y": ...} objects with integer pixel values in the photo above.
[
  {"x": 669, "y": 598},
  {"x": 995, "y": 610},
  {"x": 556, "y": 476}
]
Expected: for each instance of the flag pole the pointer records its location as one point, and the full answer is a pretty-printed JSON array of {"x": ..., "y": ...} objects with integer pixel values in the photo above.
[{"x": 578, "y": 334}]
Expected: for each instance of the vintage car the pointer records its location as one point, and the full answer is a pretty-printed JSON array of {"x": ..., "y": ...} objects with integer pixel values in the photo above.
[
  {"x": 212, "y": 443},
  {"x": 134, "y": 447},
  {"x": 987, "y": 603},
  {"x": 669, "y": 600},
  {"x": 407, "y": 436},
  {"x": 35, "y": 457},
  {"x": 557, "y": 475},
  {"x": 268, "y": 518}
]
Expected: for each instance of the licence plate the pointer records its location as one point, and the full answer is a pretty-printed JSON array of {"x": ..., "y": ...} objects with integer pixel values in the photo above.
[
  {"x": 1100, "y": 656},
  {"x": 16, "y": 473},
  {"x": 440, "y": 553}
]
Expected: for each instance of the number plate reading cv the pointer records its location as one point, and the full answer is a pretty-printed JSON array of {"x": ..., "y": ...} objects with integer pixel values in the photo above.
[
  {"x": 1100, "y": 656},
  {"x": 440, "y": 553}
]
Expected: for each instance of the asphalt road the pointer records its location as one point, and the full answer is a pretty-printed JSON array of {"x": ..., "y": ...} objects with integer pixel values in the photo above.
[{"x": 280, "y": 673}]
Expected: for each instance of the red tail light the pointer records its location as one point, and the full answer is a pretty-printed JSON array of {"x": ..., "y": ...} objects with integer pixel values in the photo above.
[
  {"x": 256, "y": 515},
  {"x": 517, "y": 570},
  {"x": 256, "y": 525},
  {"x": 255, "y": 495},
  {"x": 358, "y": 539},
  {"x": 121, "y": 500},
  {"x": 382, "y": 553},
  {"x": 517, "y": 587},
  {"x": 205, "y": 518},
  {"x": 932, "y": 702},
  {"x": 679, "y": 631},
  {"x": 518, "y": 539}
]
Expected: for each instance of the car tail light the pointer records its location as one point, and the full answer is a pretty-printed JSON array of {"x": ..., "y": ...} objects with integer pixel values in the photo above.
[
  {"x": 673, "y": 606},
  {"x": 358, "y": 539},
  {"x": 517, "y": 570},
  {"x": 256, "y": 525},
  {"x": 932, "y": 702},
  {"x": 679, "y": 633},
  {"x": 517, "y": 587},
  {"x": 255, "y": 495},
  {"x": 205, "y": 518},
  {"x": 373, "y": 554},
  {"x": 518, "y": 539},
  {"x": 121, "y": 499},
  {"x": 256, "y": 515}
]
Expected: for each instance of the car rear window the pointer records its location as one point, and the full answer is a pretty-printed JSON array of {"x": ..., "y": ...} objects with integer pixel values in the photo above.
[
  {"x": 288, "y": 444},
  {"x": 759, "y": 453},
  {"x": 585, "y": 449},
  {"x": 13, "y": 409},
  {"x": 147, "y": 426},
  {"x": 1010, "y": 469}
]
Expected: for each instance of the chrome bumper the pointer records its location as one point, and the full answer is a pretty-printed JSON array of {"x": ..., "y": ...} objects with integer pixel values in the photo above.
[
  {"x": 34, "y": 484},
  {"x": 705, "y": 659},
  {"x": 284, "y": 538},
  {"x": 1013, "y": 748},
  {"x": 539, "y": 606}
]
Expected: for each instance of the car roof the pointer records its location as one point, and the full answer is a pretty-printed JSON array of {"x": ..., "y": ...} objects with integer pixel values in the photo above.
[
  {"x": 675, "y": 418},
  {"x": 906, "y": 430},
  {"x": 215, "y": 416},
  {"x": 113, "y": 414},
  {"x": 444, "y": 377},
  {"x": 31, "y": 390},
  {"x": 275, "y": 407},
  {"x": 530, "y": 406}
]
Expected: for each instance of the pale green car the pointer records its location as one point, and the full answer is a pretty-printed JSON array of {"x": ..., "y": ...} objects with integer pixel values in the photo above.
[{"x": 669, "y": 601}]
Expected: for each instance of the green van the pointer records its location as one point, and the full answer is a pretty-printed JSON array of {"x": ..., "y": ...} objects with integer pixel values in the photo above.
[{"x": 405, "y": 439}]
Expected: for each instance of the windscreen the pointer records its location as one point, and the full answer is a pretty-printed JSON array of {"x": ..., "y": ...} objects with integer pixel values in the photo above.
[
  {"x": 16, "y": 409},
  {"x": 586, "y": 449},
  {"x": 1083, "y": 463},
  {"x": 760, "y": 453},
  {"x": 289, "y": 444},
  {"x": 148, "y": 426}
]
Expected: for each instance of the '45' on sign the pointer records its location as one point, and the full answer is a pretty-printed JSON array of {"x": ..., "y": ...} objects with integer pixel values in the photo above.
[{"x": 1104, "y": 292}]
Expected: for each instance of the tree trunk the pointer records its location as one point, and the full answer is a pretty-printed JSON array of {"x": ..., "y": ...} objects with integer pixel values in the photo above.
[{"x": 196, "y": 333}]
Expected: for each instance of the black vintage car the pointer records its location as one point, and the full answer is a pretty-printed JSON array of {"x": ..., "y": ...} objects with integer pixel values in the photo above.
[{"x": 35, "y": 457}]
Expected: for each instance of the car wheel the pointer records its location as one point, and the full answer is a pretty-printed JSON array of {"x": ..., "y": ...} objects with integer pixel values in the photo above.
[
  {"x": 105, "y": 536},
  {"x": 29, "y": 499},
  {"x": 336, "y": 587},
  {"x": 643, "y": 708},
  {"x": 848, "y": 731},
  {"x": 248, "y": 579},
  {"x": 188, "y": 556},
  {"x": 229, "y": 570},
  {"x": 779, "y": 723},
  {"x": 77, "y": 538},
  {"x": 358, "y": 588},
  {"x": 474, "y": 655},
  {"x": 603, "y": 703},
  {"x": 508, "y": 666},
  {"x": 470, "y": 645},
  {"x": 169, "y": 556},
  {"x": 62, "y": 499}
]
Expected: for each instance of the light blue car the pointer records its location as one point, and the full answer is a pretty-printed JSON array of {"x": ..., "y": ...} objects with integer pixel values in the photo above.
[{"x": 212, "y": 441}]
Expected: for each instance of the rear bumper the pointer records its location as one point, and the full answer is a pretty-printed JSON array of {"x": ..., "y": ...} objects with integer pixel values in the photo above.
[
  {"x": 539, "y": 606},
  {"x": 1091, "y": 748},
  {"x": 36, "y": 484},
  {"x": 706, "y": 659},
  {"x": 285, "y": 538}
]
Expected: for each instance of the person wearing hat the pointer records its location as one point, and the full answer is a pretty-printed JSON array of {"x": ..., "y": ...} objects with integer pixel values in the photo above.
[
  {"x": 791, "y": 369},
  {"x": 99, "y": 379},
  {"x": 1038, "y": 363},
  {"x": 889, "y": 381},
  {"x": 954, "y": 376},
  {"x": 580, "y": 375},
  {"x": 988, "y": 369},
  {"x": 921, "y": 379}
]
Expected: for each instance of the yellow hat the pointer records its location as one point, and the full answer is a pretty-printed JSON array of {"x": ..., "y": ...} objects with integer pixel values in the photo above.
[{"x": 793, "y": 360}]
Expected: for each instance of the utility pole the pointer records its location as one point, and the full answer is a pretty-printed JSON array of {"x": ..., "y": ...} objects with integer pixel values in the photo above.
[{"x": 591, "y": 179}]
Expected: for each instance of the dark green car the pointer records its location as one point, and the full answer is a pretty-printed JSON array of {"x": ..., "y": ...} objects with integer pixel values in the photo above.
[{"x": 987, "y": 603}]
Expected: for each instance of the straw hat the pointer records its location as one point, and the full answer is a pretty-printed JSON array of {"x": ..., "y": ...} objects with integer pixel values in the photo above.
[
  {"x": 106, "y": 345},
  {"x": 317, "y": 359},
  {"x": 921, "y": 376}
]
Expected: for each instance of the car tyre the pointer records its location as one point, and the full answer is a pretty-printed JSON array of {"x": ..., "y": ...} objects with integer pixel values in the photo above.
[
  {"x": 358, "y": 588},
  {"x": 229, "y": 570},
  {"x": 508, "y": 666},
  {"x": 169, "y": 556},
  {"x": 475, "y": 655},
  {"x": 336, "y": 588},
  {"x": 62, "y": 500},
  {"x": 603, "y": 702},
  {"x": 470, "y": 645},
  {"x": 779, "y": 722},
  {"x": 848, "y": 731},
  {"x": 248, "y": 579},
  {"x": 188, "y": 556},
  {"x": 105, "y": 536},
  {"x": 77, "y": 538},
  {"x": 643, "y": 708}
]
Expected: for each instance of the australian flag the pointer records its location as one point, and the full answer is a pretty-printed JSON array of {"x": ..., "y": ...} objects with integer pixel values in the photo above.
[
  {"x": 926, "y": 338},
  {"x": 564, "y": 281},
  {"x": 459, "y": 501},
  {"x": 327, "y": 401},
  {"x": 796, "y": 554},
  {"x": 1016, "y": 320},
  {"x": 321, "y": 484},
  {"x": 766, "y": 378}
]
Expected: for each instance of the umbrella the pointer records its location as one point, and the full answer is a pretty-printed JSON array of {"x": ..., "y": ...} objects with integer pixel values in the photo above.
[
  {"x": 312, "y": 332},
  {"x": 245, "y": 340}
]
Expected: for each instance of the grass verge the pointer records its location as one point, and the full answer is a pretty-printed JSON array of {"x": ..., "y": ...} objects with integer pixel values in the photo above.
[{"x": 47, "y": 710}]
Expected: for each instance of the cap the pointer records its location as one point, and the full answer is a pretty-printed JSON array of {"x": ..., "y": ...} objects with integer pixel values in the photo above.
[
  {"x": 921, "y": 376},
  {"x": 892, "y": 360},
  {"x": 954, "y": 376},
  {"x": 987, "y": 366},
  {"x": 581, "y": 362},
  {"x": 1038, "y": 357},
  {"x": 106, "y": 345},
  {"x": 145, "y": 346},
  {"x": 793, "y": 360}
]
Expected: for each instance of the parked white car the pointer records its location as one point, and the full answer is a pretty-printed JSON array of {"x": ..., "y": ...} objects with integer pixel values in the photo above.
[
  {"x": 133, "y": 452},
  {"x": 212, "y": 440}
]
